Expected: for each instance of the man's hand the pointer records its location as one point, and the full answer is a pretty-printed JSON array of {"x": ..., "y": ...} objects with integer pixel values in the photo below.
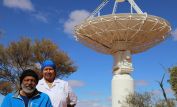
[{"x": 70, "y": 105}]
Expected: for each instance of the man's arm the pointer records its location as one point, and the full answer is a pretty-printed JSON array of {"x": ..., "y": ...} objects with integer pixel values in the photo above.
[
  {"x": 7, "y": 101},
  {"x": 72, "y": 98}
]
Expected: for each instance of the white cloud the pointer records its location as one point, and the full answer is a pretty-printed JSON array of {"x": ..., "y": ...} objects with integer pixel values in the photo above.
[
  {"x": 75, "y": 18},
  {"x": 93, "y": 103},
  {"x": 61, "y": 21},
  {"x": 25, "y": 5},
  {"x": 169, "y": 91},
  {"x": 141, "y": 83},
  {"x": 76, "y": 83},
  {"x": 159, "y": 91},
  {"x": 41, "y": 17},
  {"x": 95, "y": 93},
  {"x": 174, "y": 34}
]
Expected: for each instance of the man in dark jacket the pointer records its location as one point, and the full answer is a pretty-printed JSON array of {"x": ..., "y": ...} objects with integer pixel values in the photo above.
[{"x": 28, "y": 95}]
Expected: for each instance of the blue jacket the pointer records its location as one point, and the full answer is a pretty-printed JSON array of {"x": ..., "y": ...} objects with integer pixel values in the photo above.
[{"x": 14, "y": 100}]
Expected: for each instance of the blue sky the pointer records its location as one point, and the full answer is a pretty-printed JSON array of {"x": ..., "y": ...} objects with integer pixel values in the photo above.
[{"x": 54, "y": 20}]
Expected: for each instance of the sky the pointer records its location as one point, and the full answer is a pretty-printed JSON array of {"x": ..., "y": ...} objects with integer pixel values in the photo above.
[{"x": 55, "y": 20}]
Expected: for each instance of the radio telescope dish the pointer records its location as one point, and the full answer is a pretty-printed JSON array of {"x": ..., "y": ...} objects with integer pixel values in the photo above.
[
  {"x": 122, "y": 35},
  {"x": 116, "y": 32}
]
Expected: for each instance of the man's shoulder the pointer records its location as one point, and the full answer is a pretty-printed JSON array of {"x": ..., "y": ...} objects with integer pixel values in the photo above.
[
  {"x": 9, "y": 95},
  {"x": 56, "y": 80},
  {"x": 43, "y": 94},
  {"x": 41, "y": 82},
  {"x": 60, "y": 81}
]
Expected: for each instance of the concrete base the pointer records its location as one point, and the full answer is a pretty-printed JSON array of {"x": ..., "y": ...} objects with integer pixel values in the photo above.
[{"x": 122, "y": 85}]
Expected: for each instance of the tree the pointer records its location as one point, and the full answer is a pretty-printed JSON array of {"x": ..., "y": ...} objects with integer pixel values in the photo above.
[
  {"x": 173, "y": 79},
  {"x": 147, "y": 99},
  {"x": 139, "y": 100},
  {"x": 167, "y": 102},
  {"x": 162, "y": 103},
  {"x": 25, "y": 54}
]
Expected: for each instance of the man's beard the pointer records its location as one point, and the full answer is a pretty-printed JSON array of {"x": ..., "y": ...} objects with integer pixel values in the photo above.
[{"x": 28, "y": 89}]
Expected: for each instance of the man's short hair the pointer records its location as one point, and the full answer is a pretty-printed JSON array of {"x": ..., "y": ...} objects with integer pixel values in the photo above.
[{"x": 29, "y": 72}]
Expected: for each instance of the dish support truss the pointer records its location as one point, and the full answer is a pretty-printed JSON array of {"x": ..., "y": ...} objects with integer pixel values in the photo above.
[{"x": 101, "y": 6}]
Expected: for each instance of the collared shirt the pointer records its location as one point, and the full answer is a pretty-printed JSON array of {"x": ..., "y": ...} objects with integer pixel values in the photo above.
[
  {"x": 25, "y": 99},
  {"x": 60, "y": 92},
  {"x": 15, "y": 100}
]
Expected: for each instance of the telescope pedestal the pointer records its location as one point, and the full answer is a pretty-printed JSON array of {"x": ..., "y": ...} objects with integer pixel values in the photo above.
[
  {"x": 122, "y": 85},
  {"x": 122, "y": 82}
]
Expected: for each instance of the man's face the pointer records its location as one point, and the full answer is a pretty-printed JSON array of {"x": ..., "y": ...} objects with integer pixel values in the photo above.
[
  {"x": 49, "y": 74},
  {"x": 29, "y": 84}
]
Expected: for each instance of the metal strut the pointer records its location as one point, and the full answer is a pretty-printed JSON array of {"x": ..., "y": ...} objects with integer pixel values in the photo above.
[
  {"x": 115, "y": 7},
  {"x": 97, "y": 10},
  {"x": 135, "y": 6},
  {"x": 132, "y": 3}
]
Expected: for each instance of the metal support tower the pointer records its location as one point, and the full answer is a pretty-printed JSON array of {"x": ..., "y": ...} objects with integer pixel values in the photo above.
[{"x": 132, "y": 3}]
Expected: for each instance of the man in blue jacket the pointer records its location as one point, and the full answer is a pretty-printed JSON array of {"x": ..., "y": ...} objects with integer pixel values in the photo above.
[{"x": 28, "y": 95}]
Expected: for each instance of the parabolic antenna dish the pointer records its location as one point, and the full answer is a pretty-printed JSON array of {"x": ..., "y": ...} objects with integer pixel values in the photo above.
[{"x": 118, "y": 32}]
